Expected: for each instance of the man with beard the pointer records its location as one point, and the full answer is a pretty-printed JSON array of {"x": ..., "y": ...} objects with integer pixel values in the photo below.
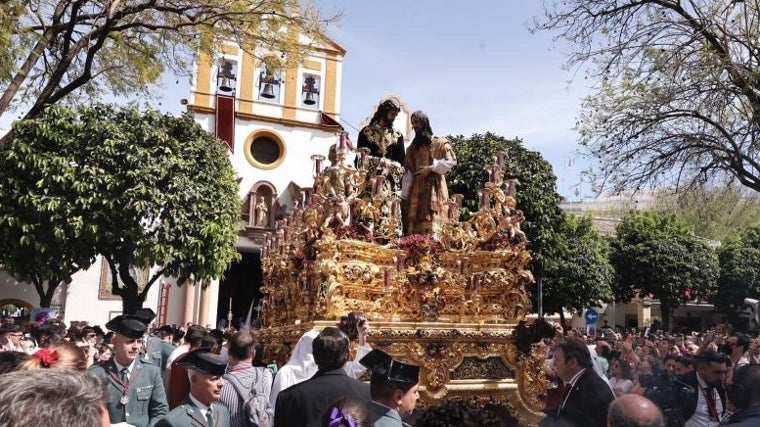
[
  {"x": 135, "y": 392},
  {"x": 424, "y": 190},
  {"x": 200, "y": 407},
  {"x": 380, "y": 136}
]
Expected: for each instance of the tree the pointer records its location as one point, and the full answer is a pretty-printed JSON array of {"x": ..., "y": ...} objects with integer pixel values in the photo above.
[
  {"x": 577, "y": 273},
  {"x": 739, "y": 273},
  {"x": 536, "y": 194},
  {"x": 656, "y": 253},
  {"x": 552, "y": 236},
  {"x": 53, "y": 49},
  {"x": 152, "y": 189},
  {"x": 43, "y": 233},
  {"x": 676, "y": 88},
  {"x": 715, "y": 213}
]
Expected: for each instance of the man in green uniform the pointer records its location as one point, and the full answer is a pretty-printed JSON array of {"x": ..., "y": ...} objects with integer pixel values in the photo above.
[
  {"x": 394, "y": 389},
  {"x": 154, "y": 349},
  {"x": 135, "y": 392},
  {"x": 200, "y": 408}
]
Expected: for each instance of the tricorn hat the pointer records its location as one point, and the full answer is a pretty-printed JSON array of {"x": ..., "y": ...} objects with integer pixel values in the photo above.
[
  {"x": 144, "y": 315},
  {"x": 129, "y": 327},
  {"x": 204, "y": 361},
  {"x": 382, "y": 364}
]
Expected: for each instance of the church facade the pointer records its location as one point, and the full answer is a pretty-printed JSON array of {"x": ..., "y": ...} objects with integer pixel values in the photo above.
[{"x": 273, "y": 113}]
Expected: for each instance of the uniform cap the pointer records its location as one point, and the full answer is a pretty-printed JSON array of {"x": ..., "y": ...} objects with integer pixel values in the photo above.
[
  {"x": 381, "y": 363},
  {"x": 204, "y": 361},
  {"x": 130, "y": 328}
]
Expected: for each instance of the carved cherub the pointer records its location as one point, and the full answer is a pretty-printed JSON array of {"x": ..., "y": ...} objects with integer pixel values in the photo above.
[
  {"x": 515, "y": 234},
  {"x": 339, "y": 213}
]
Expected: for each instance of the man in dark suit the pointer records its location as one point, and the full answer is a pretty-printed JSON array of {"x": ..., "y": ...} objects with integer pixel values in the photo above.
[
  {"x": 135, "y": 392},
  {"x": 304, "y": 404},
  {"x": 586, "y": 397},
  {"x": 200, "y": 407},
  {"x": 701, "y": 393}
]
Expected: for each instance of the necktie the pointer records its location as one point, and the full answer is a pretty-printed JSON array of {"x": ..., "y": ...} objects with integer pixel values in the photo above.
[
  {"x": 210, "y": 417},
  {"x": 124, "y": 375},
  {"x": 711, "y": 405}
]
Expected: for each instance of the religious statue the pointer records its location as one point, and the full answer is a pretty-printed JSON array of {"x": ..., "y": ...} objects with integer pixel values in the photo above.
[
  {"x": 260, "y": 212},
  {"x": 379, "y": 135},
  {"x": 424, "y": 190}
]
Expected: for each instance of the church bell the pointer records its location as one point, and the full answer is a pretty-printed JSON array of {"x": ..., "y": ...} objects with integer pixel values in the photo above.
[
  {"x": 226, "y": 85},
  {"x": 309, "y": 100},
  {"x": 268, "y": 91}
]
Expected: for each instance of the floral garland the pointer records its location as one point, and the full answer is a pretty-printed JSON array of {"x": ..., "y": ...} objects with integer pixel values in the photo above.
[
  {"x": 354, "y": 232},
  {"x": 498, "y": 241},
  {"x": 418, "y": 245}
]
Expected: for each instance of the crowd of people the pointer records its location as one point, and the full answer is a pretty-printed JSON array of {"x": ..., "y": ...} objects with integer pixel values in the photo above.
[
  {"x": 689, "y": 379},
  {"x": 132, "y": 373}
]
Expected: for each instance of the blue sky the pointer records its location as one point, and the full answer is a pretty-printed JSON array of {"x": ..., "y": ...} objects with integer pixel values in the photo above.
[{"x": 472, "y": 66}]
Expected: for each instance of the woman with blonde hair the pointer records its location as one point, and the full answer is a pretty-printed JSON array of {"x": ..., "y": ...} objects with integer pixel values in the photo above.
[{"x": 64, "y": 355}]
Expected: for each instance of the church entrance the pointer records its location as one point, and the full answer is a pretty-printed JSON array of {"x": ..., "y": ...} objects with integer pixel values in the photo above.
[{"x": 239, "y": 290}]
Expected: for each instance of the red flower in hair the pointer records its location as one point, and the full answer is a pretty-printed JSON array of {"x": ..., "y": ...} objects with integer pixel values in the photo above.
[{"x": 46, "y": 356}]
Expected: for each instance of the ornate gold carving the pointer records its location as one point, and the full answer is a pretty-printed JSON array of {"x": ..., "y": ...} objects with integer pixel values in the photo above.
[
  {"x": 471, "y": 368},
  {"x": 449, "y": 305}
]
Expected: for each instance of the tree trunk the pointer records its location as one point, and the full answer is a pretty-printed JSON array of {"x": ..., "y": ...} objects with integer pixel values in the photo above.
[
  {"x": 562, "y": 320},
  {"x": 665, "y": 311},
  {"x": 130, "y": 301},
  {"x": 46, "y": 296}
]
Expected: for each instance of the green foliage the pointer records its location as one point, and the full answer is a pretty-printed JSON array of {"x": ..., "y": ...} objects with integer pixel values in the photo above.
[
  {"x": 568, "y": 254},
  {"x": 577, "y": 274},
  {"x": 739, "y": 272},
  {"x": 148, "y": 188},
  {"x": 656, "y": 253},
  {"x": 44, "y": 198},
  {"x": 536, "y": 194},
  {"x": 717, "y": 213}
]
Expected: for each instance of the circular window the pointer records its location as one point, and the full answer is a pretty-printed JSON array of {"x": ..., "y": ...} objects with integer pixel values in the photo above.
[{"x": 265, "y": 150}]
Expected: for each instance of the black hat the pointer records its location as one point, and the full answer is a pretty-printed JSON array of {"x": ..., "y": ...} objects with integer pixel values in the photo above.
[
  {"x": 126, "y": 326},
  {"x": 205, "y": 361},
  {"x": 144, "y": 315},
  {"x": 7, "y": 328},
  {"x": 381, "y": 363},
  {"x": 166, "y": 329}
]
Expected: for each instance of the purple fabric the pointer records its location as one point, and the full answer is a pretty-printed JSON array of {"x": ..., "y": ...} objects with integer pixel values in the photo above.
[{"x": 337, "y": 417}]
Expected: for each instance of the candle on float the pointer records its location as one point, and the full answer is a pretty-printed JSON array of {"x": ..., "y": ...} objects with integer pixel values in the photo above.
[
  {"x": 452, "y": 211},
  {"x": 500, "y": 159},
  {"x": 458, "y": 199},
  {"x": 485, "y": 198},
  {"x": 379, "y": 180},
  {"x": 394, "y": 209},
  {"x": 387, "y": 278},
  {"x": 399, "y": 262},
  {"x": 317, "y": 159},
  {"x": 230, "y": 304},
  {"x": 343, "y": 139}
]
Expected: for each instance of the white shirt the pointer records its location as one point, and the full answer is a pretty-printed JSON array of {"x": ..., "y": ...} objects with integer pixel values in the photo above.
[
  {"x": 119, "y": 367},
  {"x": 203, "y": 408},
  {"x": 701, "y": 417}
]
